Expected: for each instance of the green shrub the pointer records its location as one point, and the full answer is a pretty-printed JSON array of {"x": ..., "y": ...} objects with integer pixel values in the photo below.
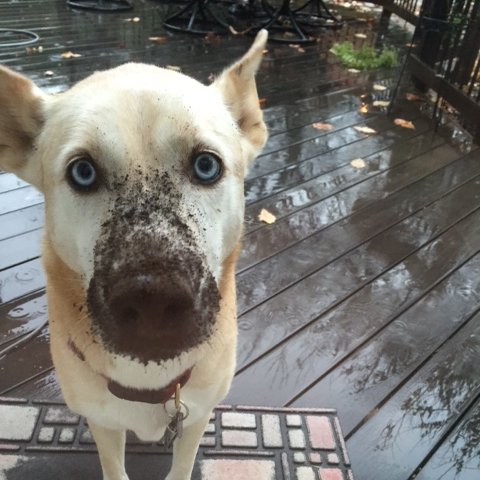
[{"x": 364, "y": 58}]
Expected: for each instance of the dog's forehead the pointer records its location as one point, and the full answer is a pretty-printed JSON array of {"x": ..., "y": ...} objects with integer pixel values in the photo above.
[
  {"x": 138, "y": 109},
  {"x": 150, "y": 93}
]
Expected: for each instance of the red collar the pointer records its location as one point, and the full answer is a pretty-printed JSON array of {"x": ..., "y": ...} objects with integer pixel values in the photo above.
[
  {"x": 149, "y": 396},
  {"x": 136, "y": 395}
]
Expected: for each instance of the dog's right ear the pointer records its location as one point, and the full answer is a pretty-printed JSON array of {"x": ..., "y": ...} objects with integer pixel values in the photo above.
[{"x": 22, "y": 113}]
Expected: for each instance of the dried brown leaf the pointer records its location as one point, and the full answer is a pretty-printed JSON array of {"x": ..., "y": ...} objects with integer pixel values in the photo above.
[
  {"x": 413, "y": 98},
  {"x": 358, "y": 163},
  {"x": 404, "y": 123},
  {"x": 266, "y": 217},
  {"x": 322, "y": 126},
  {"x": 213, "y": 39},
  {"x": 158, "y": 40},
  {"x": 381, "y": 103},
  {"x": 365, "y": 129},
  {"x": 70, "y": 54}
]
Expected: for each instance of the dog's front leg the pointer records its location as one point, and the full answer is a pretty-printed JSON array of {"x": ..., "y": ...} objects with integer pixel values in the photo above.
[
  {"x": 111, "y": 449},
  {"x": 185, "y": 450}
]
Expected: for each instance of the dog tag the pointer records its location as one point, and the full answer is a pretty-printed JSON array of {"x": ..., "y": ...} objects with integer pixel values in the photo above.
[
  {"x": 170, "y": 433},
  {"x": 179, "y": 418},
  {"x": 175, "y": 427}
]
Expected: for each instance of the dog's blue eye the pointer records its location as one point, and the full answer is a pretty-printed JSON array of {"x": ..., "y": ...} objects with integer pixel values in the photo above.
[
  {"x": 82, "y": 174},
  {"x": 206, "y": 168}
]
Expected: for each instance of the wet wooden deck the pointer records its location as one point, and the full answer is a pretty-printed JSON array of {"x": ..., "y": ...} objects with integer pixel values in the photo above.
[{"x": 365, "y": 293}]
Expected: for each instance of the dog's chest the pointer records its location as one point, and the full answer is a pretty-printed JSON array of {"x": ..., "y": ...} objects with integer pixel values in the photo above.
[{"x": 148, "y": 422}]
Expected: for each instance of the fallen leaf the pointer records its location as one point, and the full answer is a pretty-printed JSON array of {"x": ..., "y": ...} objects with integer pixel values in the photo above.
[
  {"x": 48, "y": 73},
  {"x": 381, "y": 103},
  {"x": 233, "y": 31},
  {"x": 70, "y": 55},
  {"x": 379, "y": 88},
  {"x": 404, "y": 123},
  {"x": 175, "y": 68},
  {"x": 363, "y": 109},
  {"x": 366, "y": 130},
  {"x": 360, "y": 35},
  {"x": 262, "y": 102},
  {"x": 358, "y": 163},
  {"x": 353, "y": 70},
  {"x": 213, "y": 39},
  {"x": 322, "y": 126},
  {"x": 158, "y": 40},
  {"x": 412, "y": 97},
  {"x": 266, "y": 217}
]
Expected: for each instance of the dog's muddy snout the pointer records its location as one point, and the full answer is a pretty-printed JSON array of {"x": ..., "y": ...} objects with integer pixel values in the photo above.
[{"x": 151, "y": 303}]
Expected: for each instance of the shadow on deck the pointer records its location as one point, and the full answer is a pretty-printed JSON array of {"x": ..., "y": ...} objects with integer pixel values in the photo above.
[{"x": 362, "y": 296}]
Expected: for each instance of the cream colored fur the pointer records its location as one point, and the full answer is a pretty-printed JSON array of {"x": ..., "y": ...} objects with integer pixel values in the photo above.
[{"x": 135, "y": 117}]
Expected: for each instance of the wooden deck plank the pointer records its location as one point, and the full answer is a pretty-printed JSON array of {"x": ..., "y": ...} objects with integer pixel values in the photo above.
[
  {"x": 314, "y": 351},
  {"x": 422, "y": 411},
  {"x": 15, "y": 282},
  {"x": 458, "y": 457},
  {"x": 368, "y": 375},
  {"x": 20, "y": 249},
  {"x": 43, "y": 386},
  {"x": 268, "y": 250},
  {"x": 274, "y": 321},
  {"x": 9, "y": 181},
  {"x": 30, "y": 359},
  {"x": 21, "y": 221},
  {"x": 324, "y": 142},
  {"x": 316, "y": 180},
  {"x": 20, "y": 198},
  {"x": 22, "y": 316}
]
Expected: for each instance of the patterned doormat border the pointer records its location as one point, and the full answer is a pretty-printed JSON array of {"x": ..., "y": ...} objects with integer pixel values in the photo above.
[{"x": 247, "y": 442}]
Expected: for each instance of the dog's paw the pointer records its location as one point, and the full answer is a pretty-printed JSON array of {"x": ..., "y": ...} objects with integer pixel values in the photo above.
[
  {"x": 123, "y": 476},
  {"x": 172, "y": 476}
]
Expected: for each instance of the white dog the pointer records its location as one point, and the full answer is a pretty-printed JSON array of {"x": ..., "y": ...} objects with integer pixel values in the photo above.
[{"x": 142, "y": 170}]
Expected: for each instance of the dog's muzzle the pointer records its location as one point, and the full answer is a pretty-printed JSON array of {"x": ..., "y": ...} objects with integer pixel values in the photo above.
[
  {"x": 152, "y": 295},
  {"x": 155, "y": 312}
]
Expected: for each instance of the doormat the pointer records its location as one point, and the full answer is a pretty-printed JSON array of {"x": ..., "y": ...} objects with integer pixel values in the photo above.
[{"x": 45, "y": 441}]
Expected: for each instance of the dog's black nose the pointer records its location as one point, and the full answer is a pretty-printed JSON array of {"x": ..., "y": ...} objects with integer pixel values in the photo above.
[{"x": 153, "y": 308}]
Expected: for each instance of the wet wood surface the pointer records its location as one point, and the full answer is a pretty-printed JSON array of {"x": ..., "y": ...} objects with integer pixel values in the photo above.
[{"x": 362, "y": 296}]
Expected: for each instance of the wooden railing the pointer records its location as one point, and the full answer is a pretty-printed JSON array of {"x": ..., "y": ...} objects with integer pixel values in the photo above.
[{"x": 446, "y": 57}]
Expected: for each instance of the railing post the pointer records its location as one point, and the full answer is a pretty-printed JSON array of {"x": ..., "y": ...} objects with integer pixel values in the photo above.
[{"x": 432, "y": 36}]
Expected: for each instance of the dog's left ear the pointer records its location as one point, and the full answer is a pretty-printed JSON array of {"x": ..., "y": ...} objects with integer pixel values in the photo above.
[{"x": 239, "y": 92}]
